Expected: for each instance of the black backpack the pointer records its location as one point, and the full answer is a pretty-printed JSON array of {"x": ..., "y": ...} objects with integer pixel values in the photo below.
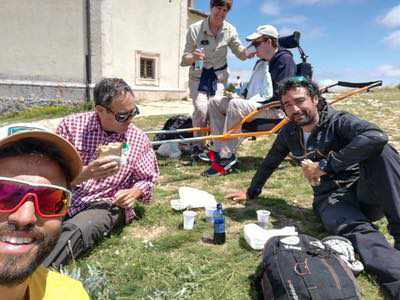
[
  {"x": 175, "y": 122},
  {"x": 304, "y": 270}
]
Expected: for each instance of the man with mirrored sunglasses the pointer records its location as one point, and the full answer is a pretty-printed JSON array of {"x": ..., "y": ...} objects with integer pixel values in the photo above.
[
  {"x": 108, "y": 187},
  {"x": 36, "y": 170},
  {"x": 49, "y": 201}
]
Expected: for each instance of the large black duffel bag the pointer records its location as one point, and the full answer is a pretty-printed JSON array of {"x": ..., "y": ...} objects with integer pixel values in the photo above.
[{"x": 302, "y": 268}]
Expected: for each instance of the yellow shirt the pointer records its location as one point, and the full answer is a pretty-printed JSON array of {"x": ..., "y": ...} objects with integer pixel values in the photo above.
[{"x": 44, "y": 284}]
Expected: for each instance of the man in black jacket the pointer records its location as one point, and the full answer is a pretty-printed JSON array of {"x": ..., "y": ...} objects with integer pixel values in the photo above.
[{"x": 355, "y": 175}]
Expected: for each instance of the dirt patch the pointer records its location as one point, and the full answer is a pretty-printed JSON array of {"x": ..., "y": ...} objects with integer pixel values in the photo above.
[{"x": 149, "y": 233}]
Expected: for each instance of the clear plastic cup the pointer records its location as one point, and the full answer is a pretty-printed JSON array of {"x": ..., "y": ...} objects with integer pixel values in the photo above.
[
  {"x": 188, "y": 219},
  {"x": 263, "y": 217}
]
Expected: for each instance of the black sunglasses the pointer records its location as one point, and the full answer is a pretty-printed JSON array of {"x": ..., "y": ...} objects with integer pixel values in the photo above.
[
  {"x": 123, "y": 117},
  {"x": 258, "y": 43}
]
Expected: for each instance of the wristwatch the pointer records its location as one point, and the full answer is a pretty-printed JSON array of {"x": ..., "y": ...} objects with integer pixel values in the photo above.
[{"x": 323, "y": 165}]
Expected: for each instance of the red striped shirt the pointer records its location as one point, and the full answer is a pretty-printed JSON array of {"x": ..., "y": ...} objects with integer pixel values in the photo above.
[{"x": 141, "y": 170}]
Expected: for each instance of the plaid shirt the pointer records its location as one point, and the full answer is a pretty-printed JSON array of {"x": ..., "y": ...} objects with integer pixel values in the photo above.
[{"x": 141, "y": 171}]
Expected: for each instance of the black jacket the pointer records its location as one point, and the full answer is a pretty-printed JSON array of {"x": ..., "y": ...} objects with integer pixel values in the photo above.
[
  {"x": 281, "y": 67},
  {"x": 341, "y": 139}
]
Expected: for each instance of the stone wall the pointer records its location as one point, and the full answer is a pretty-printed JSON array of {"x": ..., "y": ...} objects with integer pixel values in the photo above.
[
  {"x": 18, "y": 98},
  {"x": 14, "y": 98}
]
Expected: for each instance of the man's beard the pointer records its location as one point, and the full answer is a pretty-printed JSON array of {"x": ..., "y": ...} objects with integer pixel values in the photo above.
[
  {"x": 14, "y": 269},
  {"x": 306, "y": 119}
]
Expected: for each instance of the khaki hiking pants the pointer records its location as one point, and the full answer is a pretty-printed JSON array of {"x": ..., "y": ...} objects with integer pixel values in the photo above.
[
  {"x": 200, "y": 102},
  {"x": 224, "y": 113}
]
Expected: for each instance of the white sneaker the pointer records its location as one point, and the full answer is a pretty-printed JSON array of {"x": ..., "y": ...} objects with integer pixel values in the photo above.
[{"x": 345, "y": 250}]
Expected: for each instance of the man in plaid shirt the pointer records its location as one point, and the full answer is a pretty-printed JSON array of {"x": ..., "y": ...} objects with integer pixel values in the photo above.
[{"x": 106, "y": 190}]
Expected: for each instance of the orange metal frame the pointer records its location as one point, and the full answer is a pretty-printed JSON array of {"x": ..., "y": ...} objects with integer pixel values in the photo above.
[{"x": 276, "y": 104}]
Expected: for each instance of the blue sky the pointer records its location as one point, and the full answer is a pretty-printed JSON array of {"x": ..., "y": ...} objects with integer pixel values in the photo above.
[{"x": 352, "y": 40}]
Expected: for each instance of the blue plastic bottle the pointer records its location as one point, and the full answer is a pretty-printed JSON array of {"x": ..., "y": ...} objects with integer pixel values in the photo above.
[{"x": 219, "y": 225}]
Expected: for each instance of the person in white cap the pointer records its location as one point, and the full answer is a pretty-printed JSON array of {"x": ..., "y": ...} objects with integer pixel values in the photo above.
[
  {"x": 36, "y": 171},
  {"x": 275, "y": 64}
]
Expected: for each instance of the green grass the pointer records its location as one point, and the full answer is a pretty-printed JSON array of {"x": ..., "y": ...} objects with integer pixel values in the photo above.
[
  {"x": 38, "y": 113},
  {"x": 153, "y": 258}
]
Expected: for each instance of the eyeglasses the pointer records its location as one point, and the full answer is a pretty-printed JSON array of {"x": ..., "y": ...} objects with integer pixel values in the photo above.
[
  {"x": 50, "y": 201},
  {"x": 123, "y": 117},
  {"x": 258, "y": 43}
]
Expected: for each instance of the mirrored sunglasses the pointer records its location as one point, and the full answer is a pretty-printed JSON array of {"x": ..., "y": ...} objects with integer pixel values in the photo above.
[
  {"x": 50, "y": 200},
  {"x": 123, "y": 117}
]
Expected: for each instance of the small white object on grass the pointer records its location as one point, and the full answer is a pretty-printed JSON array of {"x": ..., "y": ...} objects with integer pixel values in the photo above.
[
  {"x": 256, "y": 236},
  {"x": 195, "y": 198}
]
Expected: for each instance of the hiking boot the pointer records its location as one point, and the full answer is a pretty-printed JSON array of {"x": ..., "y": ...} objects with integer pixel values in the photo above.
[
  {"x": 203, "y": 154},
  {"x": 196, "y": 151},
  {"x": 207, "y": 156},
  {"x": 220, "y": 167}
]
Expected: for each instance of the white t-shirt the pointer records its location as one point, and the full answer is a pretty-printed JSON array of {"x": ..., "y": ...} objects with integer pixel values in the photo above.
[
  {"x": 260, "y": 87},
  {"x": 306, "y": 135}
]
